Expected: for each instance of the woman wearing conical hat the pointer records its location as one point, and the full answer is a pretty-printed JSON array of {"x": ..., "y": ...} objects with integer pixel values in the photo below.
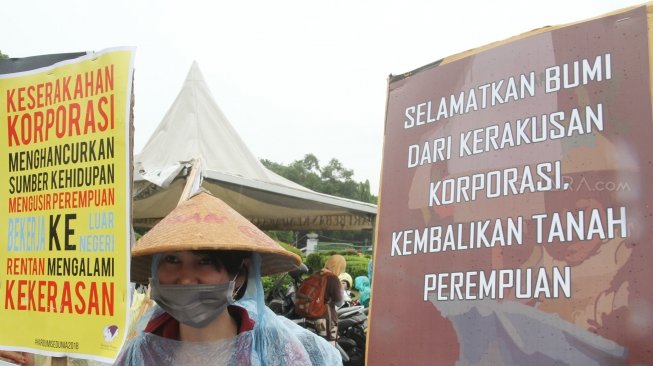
[{"x": 206, "y": 263}]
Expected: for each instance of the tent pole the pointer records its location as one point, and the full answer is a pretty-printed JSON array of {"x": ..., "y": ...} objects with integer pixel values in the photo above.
[{"x": 194, "y": 175}]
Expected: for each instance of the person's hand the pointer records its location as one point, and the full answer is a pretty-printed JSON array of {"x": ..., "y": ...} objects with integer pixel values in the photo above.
[{"x": 21, "y": 358}]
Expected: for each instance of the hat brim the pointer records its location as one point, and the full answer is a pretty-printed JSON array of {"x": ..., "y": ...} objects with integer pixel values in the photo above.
[
  {"x": 270, "y": 264},
  {"x": 204, "y": 222}
]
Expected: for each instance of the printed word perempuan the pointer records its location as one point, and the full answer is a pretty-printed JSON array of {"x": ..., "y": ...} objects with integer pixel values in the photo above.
[{"x": 528, "y": 283}]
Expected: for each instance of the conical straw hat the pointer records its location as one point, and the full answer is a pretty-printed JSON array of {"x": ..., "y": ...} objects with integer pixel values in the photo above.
[{"x": 204, "y": 222}]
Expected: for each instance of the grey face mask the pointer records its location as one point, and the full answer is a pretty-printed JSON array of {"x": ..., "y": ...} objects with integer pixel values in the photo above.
[{"x": 193, "y": 305}]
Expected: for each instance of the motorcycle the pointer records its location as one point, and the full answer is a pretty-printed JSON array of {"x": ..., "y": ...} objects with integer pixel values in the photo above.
[
  {"x": 352, "y": 319},
  {"x": 282, "y": 302},
  {"x": 352, "y": 333}
]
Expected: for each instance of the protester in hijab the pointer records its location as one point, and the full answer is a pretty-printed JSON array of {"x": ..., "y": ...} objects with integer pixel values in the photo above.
[
  {"x": 362, "y": 284},
  {"x": 327, "y": 327}
]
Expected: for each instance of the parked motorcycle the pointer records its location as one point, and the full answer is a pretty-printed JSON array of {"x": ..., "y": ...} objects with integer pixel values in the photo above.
[
  {"x": 282, "y": 301},
  {"x": 352, "y": 319},
  {"x": 352, "y": 333}
]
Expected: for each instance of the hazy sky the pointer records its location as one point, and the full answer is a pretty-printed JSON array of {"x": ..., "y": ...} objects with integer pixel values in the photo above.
[{"x": 293, "y": 77}]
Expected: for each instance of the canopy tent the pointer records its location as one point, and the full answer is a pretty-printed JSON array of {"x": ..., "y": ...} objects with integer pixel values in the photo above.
[{"x": 194, "y": 128}]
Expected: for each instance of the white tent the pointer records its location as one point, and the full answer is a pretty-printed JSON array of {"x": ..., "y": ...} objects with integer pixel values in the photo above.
[{"x": 195, "y": 128}]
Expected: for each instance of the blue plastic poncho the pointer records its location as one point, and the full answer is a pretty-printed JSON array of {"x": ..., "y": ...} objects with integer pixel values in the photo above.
[
  {"x": 275, "y": 340},
  {"x": 362, "y": 284}
]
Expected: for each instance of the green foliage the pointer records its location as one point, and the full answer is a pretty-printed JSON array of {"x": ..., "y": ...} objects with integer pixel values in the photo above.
[
  {"x": 268, "y": 281},
  {"x": 343, "y": 247},
  {"x": 357, "y": 265},
  {"x": 291, "y": 248},
  {"x": 283, "y": 236},
  {"x": 314, "y": 262},
  {"x": 3, "y": 56},
  {"x": 333, "y": 179}
]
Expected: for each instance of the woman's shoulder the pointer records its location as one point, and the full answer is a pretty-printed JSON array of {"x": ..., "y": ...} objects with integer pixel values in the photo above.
[{"x": 330, "y": 275}]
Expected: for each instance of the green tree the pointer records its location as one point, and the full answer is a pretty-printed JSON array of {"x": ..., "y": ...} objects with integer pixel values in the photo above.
[
  {"x": 284, "y": 236},
  {"x": 2, "y": 55},
  {"x": 333, "y": 179}
]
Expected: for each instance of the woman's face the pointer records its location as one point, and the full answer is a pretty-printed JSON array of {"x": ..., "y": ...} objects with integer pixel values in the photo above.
[{"x": 190, "y": 268}]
